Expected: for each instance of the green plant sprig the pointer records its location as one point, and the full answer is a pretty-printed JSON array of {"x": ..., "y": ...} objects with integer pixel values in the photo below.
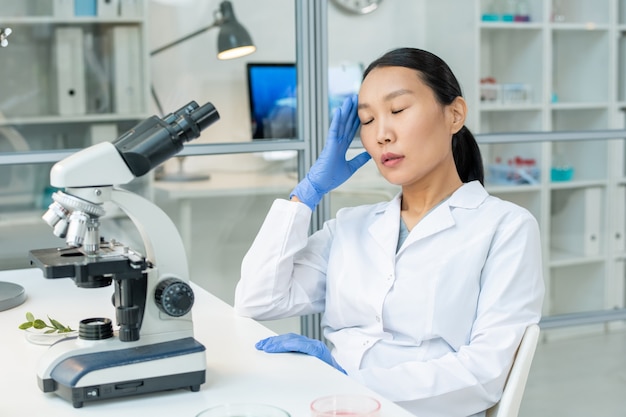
[{"x": 39, "y": 324}]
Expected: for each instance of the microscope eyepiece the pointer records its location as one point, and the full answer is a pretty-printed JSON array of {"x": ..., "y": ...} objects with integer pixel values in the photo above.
[
  {"x": 199, "y": 119},
  {"x": 155, "y": 140}
]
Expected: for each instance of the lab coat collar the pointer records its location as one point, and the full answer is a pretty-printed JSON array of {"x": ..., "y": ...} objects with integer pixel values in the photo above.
[
  {"x": 469, "y": 196},
  {"x": 386, "y": 226}
]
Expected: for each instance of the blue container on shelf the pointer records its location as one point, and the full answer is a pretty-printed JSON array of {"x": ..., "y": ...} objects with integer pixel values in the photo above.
[
  {"x": 560, "y": 174},
  {"x": 490, "y": 17},
  {"x": 85, "y": 7}
]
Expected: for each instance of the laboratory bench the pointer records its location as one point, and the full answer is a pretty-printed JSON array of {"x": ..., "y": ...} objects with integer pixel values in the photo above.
[{"x": 236, "y": 372}]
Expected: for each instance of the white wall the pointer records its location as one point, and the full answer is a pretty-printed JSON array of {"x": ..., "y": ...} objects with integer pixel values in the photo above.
[{"x": 396, "y": 23}]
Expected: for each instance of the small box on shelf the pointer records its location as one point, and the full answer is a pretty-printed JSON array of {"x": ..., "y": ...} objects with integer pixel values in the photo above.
[
  {"x": 507, "y": 93},
  {"x": 516, "y": 172}
]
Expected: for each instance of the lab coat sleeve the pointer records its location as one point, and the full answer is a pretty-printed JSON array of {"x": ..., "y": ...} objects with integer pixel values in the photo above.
[
  {"x": 472, "y": 378},
  {"x": 283, "y": 274}
]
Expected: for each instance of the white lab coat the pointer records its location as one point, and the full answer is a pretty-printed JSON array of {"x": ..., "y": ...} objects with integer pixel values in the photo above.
[{"x": 433, "y": 327}]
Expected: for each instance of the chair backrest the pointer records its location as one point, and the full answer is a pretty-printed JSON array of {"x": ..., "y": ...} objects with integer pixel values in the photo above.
[{"x": 509, "y": 404}]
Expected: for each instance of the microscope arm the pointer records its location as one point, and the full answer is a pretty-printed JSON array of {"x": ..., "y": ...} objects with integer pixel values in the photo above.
[
  {"x": 100, "y": 164},
  {"x": 160, "y": 236}
]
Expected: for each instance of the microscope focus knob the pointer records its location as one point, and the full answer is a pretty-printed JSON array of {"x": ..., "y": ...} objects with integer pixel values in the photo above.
[{"x": 174, "y": 297}]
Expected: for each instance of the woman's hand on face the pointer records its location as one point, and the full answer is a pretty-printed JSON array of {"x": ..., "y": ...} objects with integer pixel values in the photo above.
[{"x": 331, "y": 168}]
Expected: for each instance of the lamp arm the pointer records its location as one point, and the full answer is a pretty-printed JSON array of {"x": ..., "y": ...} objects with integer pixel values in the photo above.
[{"x": 216, "y": 23}]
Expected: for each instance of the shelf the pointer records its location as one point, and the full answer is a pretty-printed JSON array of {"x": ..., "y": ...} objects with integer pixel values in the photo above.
[
  {"x": 578, "y": 106},
  {"x": 511, "y": 25},
  {"x": 571, "y": 185},
  {"x": 68, "y": 82},
  {"x": 620, "y": 256},
  {"x": 559, "y": 258},
  {"x": 510, "y": 107},
  {"x": 85, "y": 118},
  {"x": 505, "y": 189},
  {"x": 589, "y": 26},
  {"x": 575, "y": 70},
  {"x": 50, "y": 20}
]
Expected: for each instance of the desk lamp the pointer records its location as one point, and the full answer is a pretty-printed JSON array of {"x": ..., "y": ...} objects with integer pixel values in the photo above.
[{"x": 233, "y": 41}]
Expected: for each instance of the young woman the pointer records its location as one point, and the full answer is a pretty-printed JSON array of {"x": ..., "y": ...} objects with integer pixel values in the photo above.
[{"x": 425, "y": 298}]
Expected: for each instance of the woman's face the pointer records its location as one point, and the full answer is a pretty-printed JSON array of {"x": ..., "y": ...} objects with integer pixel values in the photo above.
[{"x": 405, "y": 129}]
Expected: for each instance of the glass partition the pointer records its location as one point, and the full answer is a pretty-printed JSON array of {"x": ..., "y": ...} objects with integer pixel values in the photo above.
[{"x": 219, "y": 217}]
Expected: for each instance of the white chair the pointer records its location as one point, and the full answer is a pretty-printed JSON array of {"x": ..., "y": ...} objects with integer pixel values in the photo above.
[{"x": 509, "y": 404}]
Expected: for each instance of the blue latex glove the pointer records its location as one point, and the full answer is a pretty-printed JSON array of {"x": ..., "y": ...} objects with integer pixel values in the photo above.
[
  {"x": 292, "y": 342},
  {"x": 331, "y": 168}
]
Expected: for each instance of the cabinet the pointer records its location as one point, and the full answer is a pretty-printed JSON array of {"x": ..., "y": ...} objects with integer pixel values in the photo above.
[
  {"x": 558, "y": 67},
  {"x": 74, "y": 73}
]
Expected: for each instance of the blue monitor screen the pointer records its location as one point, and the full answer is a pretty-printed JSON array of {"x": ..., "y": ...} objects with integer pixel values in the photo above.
[{"x": 272, "y": 97}]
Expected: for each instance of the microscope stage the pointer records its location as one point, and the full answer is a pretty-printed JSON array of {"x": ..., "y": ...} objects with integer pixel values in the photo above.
[{"x": 72, "y": 262}]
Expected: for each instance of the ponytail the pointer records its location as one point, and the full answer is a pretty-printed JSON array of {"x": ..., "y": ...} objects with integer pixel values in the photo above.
[{"x": 467, "y": 158}]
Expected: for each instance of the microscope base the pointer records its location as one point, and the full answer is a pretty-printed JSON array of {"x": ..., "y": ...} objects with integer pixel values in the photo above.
[
  {"x": 80, "y": 395},
  {"x": 124, "y": 372}
]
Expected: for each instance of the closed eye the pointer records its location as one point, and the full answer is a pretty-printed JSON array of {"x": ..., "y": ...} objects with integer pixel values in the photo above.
[
  {"x": 397, "y": 111},
  {"x": 367, "y": 122}
]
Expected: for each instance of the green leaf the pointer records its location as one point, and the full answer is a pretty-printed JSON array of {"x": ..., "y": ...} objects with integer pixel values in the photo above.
[
  {"x": 56, "y": 324},
  {"x": 39, "y": 324}
]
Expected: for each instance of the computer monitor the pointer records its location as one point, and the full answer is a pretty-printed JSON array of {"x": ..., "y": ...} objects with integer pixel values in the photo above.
[{"x": 272, "y": 97}]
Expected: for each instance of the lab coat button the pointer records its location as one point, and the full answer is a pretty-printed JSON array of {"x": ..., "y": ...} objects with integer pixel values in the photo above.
[{"x": 378, "y": 319}]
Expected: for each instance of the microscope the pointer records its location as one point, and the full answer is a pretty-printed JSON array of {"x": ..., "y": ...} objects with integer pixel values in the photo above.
[{"x": 153, "y": 347}]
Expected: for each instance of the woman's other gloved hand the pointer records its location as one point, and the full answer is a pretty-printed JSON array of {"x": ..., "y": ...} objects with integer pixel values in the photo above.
[
  {"x": 331, "y": 168},
  {"x": 292, "y": 342}
]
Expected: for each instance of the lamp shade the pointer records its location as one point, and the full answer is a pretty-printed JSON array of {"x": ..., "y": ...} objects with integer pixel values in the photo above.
[{"x": 233, "y": 40}]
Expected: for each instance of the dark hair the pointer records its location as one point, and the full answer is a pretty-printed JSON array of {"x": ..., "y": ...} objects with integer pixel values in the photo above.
[{"x": 439, "y": 77}]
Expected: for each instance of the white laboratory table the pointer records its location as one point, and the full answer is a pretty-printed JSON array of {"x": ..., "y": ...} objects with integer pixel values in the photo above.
[{"x": 236, "y": 371}]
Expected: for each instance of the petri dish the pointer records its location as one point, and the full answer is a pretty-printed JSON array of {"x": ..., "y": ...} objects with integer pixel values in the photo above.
[
  {"x": 11, "y": 295},
  {"x": 244, "y": 410},
  {"x": 345, "y": 405}
]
